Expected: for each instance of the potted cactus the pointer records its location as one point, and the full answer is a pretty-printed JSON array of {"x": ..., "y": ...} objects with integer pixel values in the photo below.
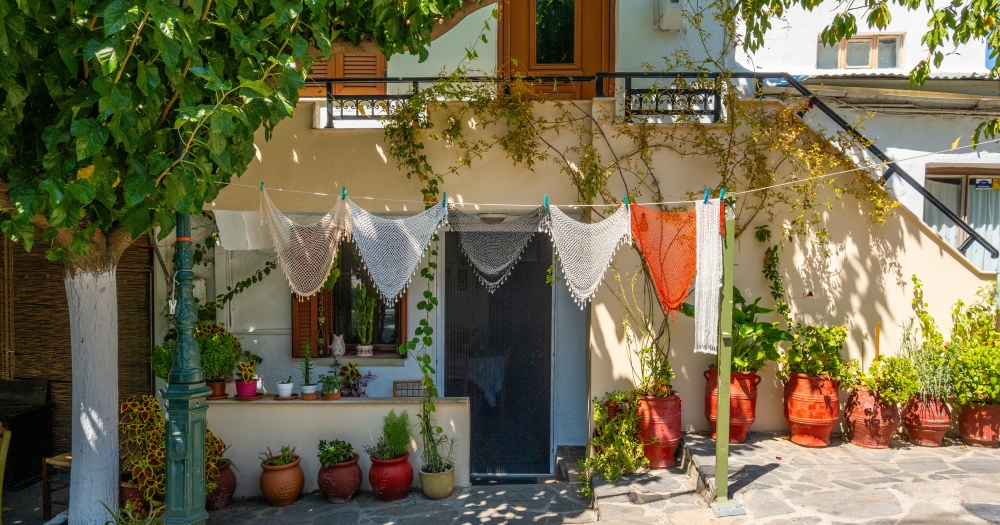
[
  {"x": 363, "y": 318},
  {"x": 308, "y": 387},
  {"x": 339, "y": 475},
  {"x": 285, "y": 389}
]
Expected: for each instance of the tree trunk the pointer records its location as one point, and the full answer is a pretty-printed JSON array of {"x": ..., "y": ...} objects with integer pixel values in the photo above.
[{"x": 93, "y": 320}]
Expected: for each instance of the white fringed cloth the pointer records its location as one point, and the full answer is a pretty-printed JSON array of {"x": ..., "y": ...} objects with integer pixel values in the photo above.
[
  {"x": 585, "y": 249},
  {"x": 494, "y": 248},
  {"x": 708, "y": 280}
]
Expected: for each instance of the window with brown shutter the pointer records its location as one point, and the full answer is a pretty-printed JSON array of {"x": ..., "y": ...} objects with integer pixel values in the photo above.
[
  {"x": 316, "y": 319},
  {"x": 349, "y": 65}
]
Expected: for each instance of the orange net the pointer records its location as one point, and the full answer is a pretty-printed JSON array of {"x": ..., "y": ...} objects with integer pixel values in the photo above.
[{"x": 668, "y": 241}]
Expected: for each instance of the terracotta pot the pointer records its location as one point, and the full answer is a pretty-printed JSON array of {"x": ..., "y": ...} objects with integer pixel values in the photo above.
[
  {"x": 340, "y": 482},
  {"x": 979, "y": 425},
  {"x": 281, "y": 485},
  {"x": 660, "y": 428},
  {"x": 871, "y": 422},
  {"x": 218, "y": 388},
  {"x": 246, "y": 389},
  {"x": 926, "y": 421},
  {"x": 437, "y": 485},
  {"x": 225, "y": 487},
  {"x": 391, "y": 478},
  {"x": 331, "y": 396},
  {"x": 129, "y": 491},
  {"x": 742, "y": 402},
  {"x": 811, "y": 409}
]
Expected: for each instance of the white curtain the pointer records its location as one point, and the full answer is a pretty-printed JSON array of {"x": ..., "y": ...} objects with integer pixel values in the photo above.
[
  {"x": 984, "y": 217},
  {"x": 951, "y": 196}
]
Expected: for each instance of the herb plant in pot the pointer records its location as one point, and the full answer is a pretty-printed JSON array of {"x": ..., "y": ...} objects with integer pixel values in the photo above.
[
  {"x": 391, "y": 473},
  {"x": 308, "y": 387},
  {"x": 926, "y": 417},
  {"x": 811, "y": 369},
  {"x": 282, "y": 479},
  {"x": 246, "y": 385},
  {"x": 363, "y": 319},
  {"x": 872, "y": 411},
  {"x": 285, "y": 388},
  {"x": 331, "y": 383},
  {"x": 339, "y": 475}
]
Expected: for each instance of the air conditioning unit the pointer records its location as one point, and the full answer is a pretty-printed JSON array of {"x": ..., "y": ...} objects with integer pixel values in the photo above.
[{"x": 670, "y": 15}]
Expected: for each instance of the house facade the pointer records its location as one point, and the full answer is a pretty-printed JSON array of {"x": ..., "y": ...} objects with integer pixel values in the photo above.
[{"x": 529, "y": 359}]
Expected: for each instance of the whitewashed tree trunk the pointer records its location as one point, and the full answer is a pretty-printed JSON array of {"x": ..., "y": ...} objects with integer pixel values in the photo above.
[{"x": 93, "y": 321}]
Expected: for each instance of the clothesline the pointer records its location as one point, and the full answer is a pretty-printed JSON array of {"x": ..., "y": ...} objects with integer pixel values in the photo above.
[{"x": 511, "y": 205}]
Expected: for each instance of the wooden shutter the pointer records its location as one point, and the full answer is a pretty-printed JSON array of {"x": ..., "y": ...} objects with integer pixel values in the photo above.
[
  {"x": 304, "y": 324},
  {"x": 359, "y": 65}
]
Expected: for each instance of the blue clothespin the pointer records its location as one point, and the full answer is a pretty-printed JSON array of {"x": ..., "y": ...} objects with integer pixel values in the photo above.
[
  {"x": 343, "y": 193},
  {"x": 546, "y": 202},
  {"x": 444, "y": 200},
  {"x": 625, "y": 200},
  {"x": 261, "y": 186},
  {"x": 708, "y": 191},
  {"x": 722, "y": 194}
]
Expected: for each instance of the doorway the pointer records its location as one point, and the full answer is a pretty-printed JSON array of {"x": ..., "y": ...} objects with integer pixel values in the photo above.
[{"x": 498, "y": 353}]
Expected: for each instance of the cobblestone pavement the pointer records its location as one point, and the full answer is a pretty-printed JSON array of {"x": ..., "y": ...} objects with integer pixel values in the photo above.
[
  {"x": 780, "y": 483},
  {"x": 491, "y": 505}
]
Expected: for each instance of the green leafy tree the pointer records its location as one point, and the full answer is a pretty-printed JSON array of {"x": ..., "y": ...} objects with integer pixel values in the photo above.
[{"x": 118, "y": 114}]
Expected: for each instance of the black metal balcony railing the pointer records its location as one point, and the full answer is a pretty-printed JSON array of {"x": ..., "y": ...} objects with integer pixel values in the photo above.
[{"x": 675, "y": 100}]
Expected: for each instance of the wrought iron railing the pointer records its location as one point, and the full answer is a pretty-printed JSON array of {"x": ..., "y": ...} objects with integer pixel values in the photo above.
[{"x": 701, "y": 99}]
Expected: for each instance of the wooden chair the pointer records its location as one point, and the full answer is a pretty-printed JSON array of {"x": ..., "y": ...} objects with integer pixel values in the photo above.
[
  {"x": 408, "y": 388},
  {"x": 4, "y": 446},
  {"x": 64, "y": 462}
]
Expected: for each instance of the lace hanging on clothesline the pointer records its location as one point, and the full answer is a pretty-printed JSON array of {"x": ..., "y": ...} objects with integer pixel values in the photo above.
[
  {"x": 708, "y": 280},
  {"x": 392, "y": 248},
  {"x": 494, "y": 248},
  {"x": 585, "y": 249},
  {"x": 305, "y": 251},
  {"x": 668, "y": 244}
]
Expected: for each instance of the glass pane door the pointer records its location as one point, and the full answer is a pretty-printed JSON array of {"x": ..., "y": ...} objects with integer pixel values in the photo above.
[{"x": 555, "y": 31}]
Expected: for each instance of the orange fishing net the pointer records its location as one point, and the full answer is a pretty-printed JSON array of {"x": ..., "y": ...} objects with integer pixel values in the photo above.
[{"x": 668, "y": 241}]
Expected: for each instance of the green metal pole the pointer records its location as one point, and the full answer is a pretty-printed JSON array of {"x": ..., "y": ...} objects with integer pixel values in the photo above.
[
  {"x": 187, "y": 407},
  {"x": 722, "y": 505}
]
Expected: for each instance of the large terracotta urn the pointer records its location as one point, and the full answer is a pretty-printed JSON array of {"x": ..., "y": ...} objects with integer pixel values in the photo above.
[
  {"x": 979, "y": 425},
  {"x": 282, "y": 484},
  {"x": 391, "y": 478},
  {"x": 926, "y": 421},
  {"x": 742, "y": 402},
  {"x": 811, "y": 409},
  {"x": 340, "y": 482},
  {"x": 225, "y": 487},
  {"x": 660, "y": 429},
  {"x": 871, "y": 421}
]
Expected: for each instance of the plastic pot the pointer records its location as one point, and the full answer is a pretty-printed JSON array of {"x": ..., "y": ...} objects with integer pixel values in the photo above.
[
  {"x": 309, "y": 392},
  {"x": 437, "y": 485},
  {"x": 285, "y": 389},
  {"x": 391, "y": 478},
  {"x": 340, "y": 482},
  {"x": 812, "y": 408},
  {"x": 660, "y": 429},
  {"x": 871, "y": 421},
  {"x": 979, "y": 425},
  {"x": 282, "y": 484},
  {"x": 926, "y": 421},
  {"x": 246, "y": 389},
  {"x": 742, "y": 402},
  {"x": 225, "y": 487}
]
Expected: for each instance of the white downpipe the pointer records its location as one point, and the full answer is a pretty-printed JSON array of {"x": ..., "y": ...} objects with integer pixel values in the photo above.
[{"x": 93, "y": 322}]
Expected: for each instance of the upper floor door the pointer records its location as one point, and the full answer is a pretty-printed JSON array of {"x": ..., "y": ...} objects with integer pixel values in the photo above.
[{"x": 544, "y": 38}]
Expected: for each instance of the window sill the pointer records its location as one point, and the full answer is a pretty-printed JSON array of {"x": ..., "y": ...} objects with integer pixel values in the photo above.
[{"x": 375, "y": 360}]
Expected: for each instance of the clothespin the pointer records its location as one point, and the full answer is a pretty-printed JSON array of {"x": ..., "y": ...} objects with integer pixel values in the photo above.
[
  {"x": 444, "y": 200},
  {"x": 262, "y": 186},
  {"x": 546, "y": 198},
  {"x": 343, "y": 193},
  {"x": 625, "y": 200},
  {"x": 722, "y": 195},
  {"x": 708, "y": 192}
]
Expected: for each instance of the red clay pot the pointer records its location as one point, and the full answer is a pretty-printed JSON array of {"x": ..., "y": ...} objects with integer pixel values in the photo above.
[
  {"x": 331, "y": 396},
  {"x": 246, "y": 389},
  {"x": 742, "y": 402},
  {"x": 926, "y": 421},
  {"x": 340, "y": 482},
  {"x": 979, "y": 425},
  {"x": 391, "y": 478},
  {"x": 129, "y": 491},
  {"x": 219, "y": 388},
  {"x": 225, "y": 486},
  {"x": 871, "y": 422},
  {"x": 660, "y": 428},
  {"x": 282, "y": 485},
  {"x": 811, "y": 409}
]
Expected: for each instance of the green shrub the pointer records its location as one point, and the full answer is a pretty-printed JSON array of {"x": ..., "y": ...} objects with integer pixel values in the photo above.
[
  {"x": 220, "y": 351},
  {"x": 892, "y": 378},
  {"x": 617, "y": 438},
  {"x": 335, "y": 451},
  {"x": 395, "y": 439},
  {"x": 977, "y": 374},
  {"x": 976, "y": 324},
  {"x": 815, "y": 352}
]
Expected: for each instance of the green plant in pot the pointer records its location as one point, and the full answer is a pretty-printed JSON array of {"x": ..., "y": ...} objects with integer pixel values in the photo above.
[
  {"x": 391, "y": 473},
  {"x": 281, "y": 478},
  {"x": 617, "y": 450},
  {"x": 975, "y": 361},
  {"x": 810, "y": 367},
  {"x": 872, "y": 411},
  {"x": 331, "y": 383},
  {"x": 307, "y": 367},
  {"x": 363, "y": 318},
  {"x": 246, "y": 382},
  {"x": 339, "y": 475},
  {"x": 220, "y": 351}
]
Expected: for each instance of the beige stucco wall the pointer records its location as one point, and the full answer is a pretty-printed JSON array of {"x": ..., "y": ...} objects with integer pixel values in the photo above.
[{"x": 249, "y": 428}]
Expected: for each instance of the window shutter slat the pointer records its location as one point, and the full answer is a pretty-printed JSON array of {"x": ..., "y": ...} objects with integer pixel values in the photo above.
[{"x": 304, "y": 324}]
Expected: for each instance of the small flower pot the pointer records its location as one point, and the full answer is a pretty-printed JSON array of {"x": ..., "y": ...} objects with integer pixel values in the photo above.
[
  {"x": 340, "y": 482},
  {"x": 391, "y": 478},
  {"x": 285, "y": 390},
  {"x": 812, "y": 408},
  {"x": 218, "y": 389},
  {"x": 365, "y": 350},
  {"x": 246, "y": 389},
  {"x": 926, "y": 421},
  {"x": 437, "y": 485},
  {"x": 871, "y": 422},
  {"x": 225, "y": 487},
  {"x": 309, "y": 393},
  {"x": 742, "y": 402},
  {"x": 331, "y": 396},
  {"x": 660, "y": 429},
  {"x": 282, "y": 485},
  {"x": 979, "y": 425}
]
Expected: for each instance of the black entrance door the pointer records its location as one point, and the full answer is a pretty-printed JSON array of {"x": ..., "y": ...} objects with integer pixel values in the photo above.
[{"x": 498, "y": 352}]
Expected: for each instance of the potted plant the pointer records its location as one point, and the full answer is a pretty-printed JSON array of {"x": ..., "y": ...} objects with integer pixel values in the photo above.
[
  {"x": 353, "y": 381},
  {"x": 617, "y": 449},
  {"x": 391, "y": 473},
  {"x": 285, "y": 388},
  {"x": 220, "y": 351},
  {"x": 225, "y": 482},
  {"x": 872, "y": 411},
  {"x": 811, "y": 368},
  {"x": 246, "y": 386},
  {"x": 281, "y": 478},
  {"x": 308, "y": 387},
  {"x": 339, "y": 475},
  {"x": 363, "y": 318},
  {"x": 754, "y": 344},
  {"x": 977, "y": 392},
  {"x": 331, "y": 383},
  {"x": 926, "y": 416}
]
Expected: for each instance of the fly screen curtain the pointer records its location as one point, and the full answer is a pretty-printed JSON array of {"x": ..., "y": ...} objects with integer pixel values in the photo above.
[
  {"x": 950, "y": 194},
  {"x": 984, "y": 217}
]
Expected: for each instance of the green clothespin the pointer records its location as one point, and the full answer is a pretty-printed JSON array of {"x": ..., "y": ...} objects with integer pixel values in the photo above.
[
  {"x": 708, "y": 192},
  {"x": 261, "y": 186},
  {"x": 546, "y": 202},
  {"x": 444, "y": 200},
  {"x": 625, "y": 200},
  {"x": 343, "y": 193}
]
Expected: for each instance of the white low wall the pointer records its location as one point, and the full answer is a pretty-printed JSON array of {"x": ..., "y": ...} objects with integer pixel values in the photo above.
[{"x": 250, "y": 427}]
